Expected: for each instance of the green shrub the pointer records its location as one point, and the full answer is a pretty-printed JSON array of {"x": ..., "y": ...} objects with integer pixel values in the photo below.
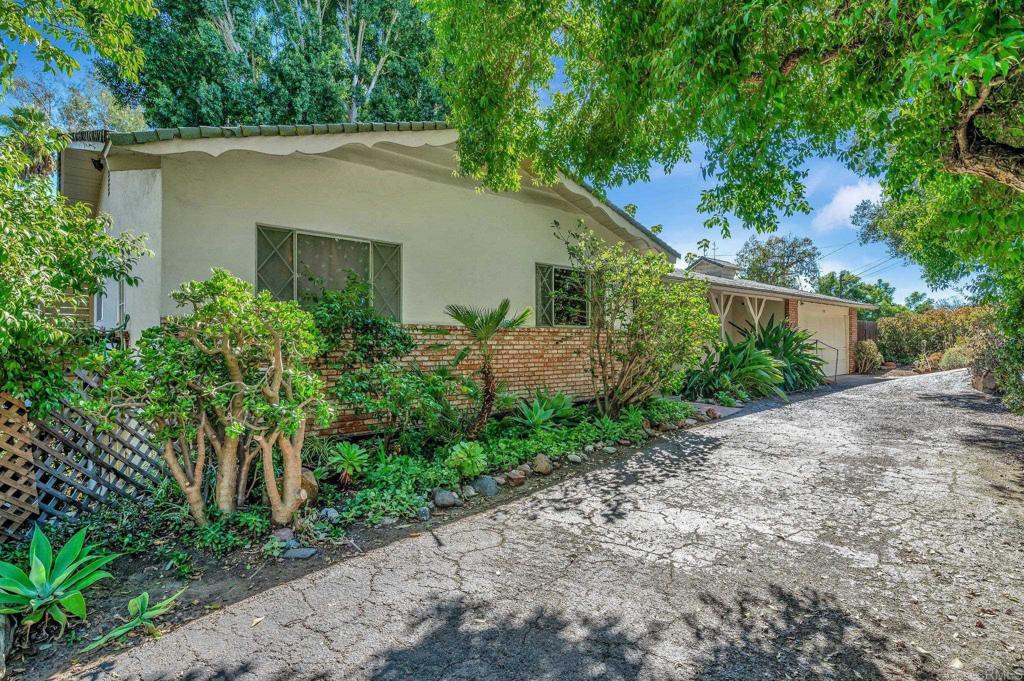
[
  {"x": 737, "y": 368},
  {"x": 660, "y": 410},
  {"x": 957, "y": 356},
  {"x": 468, "y": 459},
  {"x": 641, "y": 329},
  {"x": 906, "y": 336},
  {"x": 867, "y": 356},
  {"x": 800, "y": 364},
  {"x": 52, "y": 588}
]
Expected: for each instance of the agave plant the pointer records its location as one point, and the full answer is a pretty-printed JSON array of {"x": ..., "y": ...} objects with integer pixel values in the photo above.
[
  {"x": 483, "y": 326},
  {"x": 801, "y": 365},
  {"x": 53, "y": 587},
  {"x": 534, "y": 415},
  {"x": 142, "y": 615}
]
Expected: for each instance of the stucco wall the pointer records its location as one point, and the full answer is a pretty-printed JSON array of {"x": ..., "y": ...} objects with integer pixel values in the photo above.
[
  {"x": 132, "y": 198},
  {"x": 458, "y": 245}
]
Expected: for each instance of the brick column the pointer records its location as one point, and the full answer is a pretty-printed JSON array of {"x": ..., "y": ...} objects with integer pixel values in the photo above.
[
  {"x": 853, "y": 340},
  {"x": 793, "y": 313}
]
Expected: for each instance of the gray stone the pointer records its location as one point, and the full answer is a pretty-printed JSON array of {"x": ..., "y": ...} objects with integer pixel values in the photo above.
[
  {"x": 690, "y": 423},
  {"x": 285, "y": 534},
  {"x": 609, "y": 450},
  {"x": 525, "y": 468},
  {"x": 445, "y": 499},
  {"x": 299, "y": 554},
  {"x": 292, "y": 544},
  {"x": 542, "y": 465},
  {"x": 423, "y": 513},
  {"x": 500, "y": 479},
  {"x": 467, "y": 492},
  {"x": 486, "y": 485},
  {"x": 624, "y": 442},
  {"x": 331, "y": 515},
  {"x": 589, "y": 449},
  {"x": 575, "y": 458}
]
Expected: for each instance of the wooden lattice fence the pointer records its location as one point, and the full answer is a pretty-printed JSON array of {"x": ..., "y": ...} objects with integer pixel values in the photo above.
[{"x": 67, "y": 465}]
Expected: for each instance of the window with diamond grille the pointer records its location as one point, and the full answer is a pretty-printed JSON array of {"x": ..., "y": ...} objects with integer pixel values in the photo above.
[
  {"x": 296, "y": 265},
  {"x": 561, "y": 297}
]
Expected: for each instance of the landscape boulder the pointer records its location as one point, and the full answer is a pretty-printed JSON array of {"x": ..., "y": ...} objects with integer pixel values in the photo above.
[
  {"x": 486, "y": 485},
  {"x": 542, "y": 465}
]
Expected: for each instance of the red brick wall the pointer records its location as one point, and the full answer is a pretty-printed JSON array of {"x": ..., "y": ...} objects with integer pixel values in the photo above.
[
  {"x": 852, "y": 345},
  {"x": 525, "y": 359},
  {"x": 793, "y": 312}
]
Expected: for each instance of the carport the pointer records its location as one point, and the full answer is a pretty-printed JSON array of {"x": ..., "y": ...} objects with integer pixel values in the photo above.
[{"x": 742, "y": 303}]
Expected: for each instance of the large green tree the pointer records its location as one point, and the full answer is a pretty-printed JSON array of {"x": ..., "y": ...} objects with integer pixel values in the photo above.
[
  {"x": 924, "y": 94},
  {"x": 224, "y": 62},
  {"x": 780, "y": 261},
  {"x": 846, "y": 284}
]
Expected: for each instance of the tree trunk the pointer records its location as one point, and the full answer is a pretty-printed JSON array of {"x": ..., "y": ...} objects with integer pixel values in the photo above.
[
  {"x": 190, "y": 482},
  {"x": 991, "y": 160},
  {"x": 487, "y": 404},
  {"x": 227, "y": 476},
  {"x": 286, "y": 498}
]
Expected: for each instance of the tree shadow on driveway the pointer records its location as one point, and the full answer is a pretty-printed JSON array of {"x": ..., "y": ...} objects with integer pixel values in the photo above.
[
  {"x": 613, "y": 490},
  {"x": 782, "y": 634},
  {"x": 456, "y": 641}
]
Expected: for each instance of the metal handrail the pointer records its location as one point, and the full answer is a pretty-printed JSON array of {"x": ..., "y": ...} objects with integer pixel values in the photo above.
[{"x": 835, "y": 375}]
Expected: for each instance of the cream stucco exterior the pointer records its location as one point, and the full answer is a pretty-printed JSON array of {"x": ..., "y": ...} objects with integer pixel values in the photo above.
[{"x": 200, "y": 202}]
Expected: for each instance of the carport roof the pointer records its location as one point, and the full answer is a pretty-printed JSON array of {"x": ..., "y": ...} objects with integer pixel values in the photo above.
[{"x": 750, "y": 287}]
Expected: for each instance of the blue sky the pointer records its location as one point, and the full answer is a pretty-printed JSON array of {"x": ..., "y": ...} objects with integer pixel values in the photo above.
[
  {"x": 833, "y": 192},
  {"x": 671, "y": 200}
]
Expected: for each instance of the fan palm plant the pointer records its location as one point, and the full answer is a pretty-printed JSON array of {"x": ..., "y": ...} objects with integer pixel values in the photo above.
[
  {"x": 21, "y": 119},
  {"x": 484, "y": 325}
]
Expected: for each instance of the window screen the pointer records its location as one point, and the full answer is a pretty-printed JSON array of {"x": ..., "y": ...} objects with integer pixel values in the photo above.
[
  {"x": 324, "y": 263},
  {"x": 298, "y": 266},
  {"x": 561, "y": 297},
  {"x": 387, "y": 279}
]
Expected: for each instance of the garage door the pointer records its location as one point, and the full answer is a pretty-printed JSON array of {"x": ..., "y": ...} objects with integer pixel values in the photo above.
[{"x": 830, "y": 326}]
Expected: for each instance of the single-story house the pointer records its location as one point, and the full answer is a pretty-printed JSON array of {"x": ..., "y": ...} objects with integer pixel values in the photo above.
[
  {"x": 293, "y": 208},
  {"x": 740, "y": 303}
]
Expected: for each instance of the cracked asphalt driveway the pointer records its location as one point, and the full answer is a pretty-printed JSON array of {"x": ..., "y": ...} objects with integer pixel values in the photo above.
[{"x": 871, "y": 533}]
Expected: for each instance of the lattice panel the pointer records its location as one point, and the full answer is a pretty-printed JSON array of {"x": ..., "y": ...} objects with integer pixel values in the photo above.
[{"x": 18, "y": 493}]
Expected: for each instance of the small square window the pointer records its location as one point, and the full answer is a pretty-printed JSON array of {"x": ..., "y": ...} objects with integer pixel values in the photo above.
[{"x": 561, "y": 297}]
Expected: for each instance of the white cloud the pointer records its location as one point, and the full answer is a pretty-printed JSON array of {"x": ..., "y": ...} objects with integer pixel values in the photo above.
[{"x": 836, "y": 214}]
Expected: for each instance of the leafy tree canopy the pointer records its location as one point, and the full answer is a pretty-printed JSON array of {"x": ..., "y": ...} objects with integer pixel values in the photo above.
[
  {"x": 846, "y": 284},
  {"x": 217, "y": 62},
  {"x": 72, "y": 106},
  {"x": 780, "y": 261},
  {"x": 56, "y": 28}
]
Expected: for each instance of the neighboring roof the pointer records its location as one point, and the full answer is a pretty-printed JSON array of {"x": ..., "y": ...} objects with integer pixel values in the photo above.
[
  {"x": 714, "y": 261},
  {"x": 782, "y": 291},
  {"x": 240, "y": 131},
  {"x": 214, "y": 132}
]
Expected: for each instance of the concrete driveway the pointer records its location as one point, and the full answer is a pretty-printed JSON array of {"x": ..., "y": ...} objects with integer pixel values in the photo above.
[{"x": 872, "y": 533}]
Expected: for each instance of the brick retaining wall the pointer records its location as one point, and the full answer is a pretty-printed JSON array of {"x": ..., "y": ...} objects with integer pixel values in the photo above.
[{"x": 525, "y": 359}]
